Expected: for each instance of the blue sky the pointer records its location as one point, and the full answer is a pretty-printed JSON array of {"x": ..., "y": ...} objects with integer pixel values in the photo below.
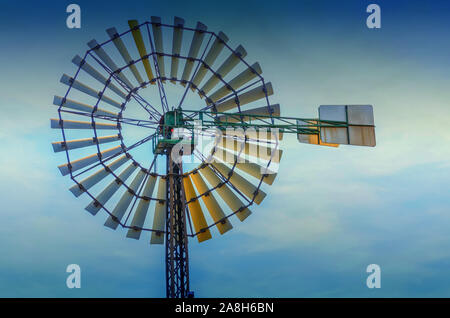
[{"x": 329, "y": 214}]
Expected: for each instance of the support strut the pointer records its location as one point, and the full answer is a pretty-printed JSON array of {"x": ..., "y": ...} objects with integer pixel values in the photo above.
[{"x": 177, "y": 264}]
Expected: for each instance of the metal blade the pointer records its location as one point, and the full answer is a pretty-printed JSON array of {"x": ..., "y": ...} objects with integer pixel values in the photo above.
[
  {"x": 159, "y": 220},
  {"x": 197, "y": 40},
  {"x": 245, "y": 98},
  {"x": 196, "y": 211},
  {"x": 141, "y": 211},
  {"x": 81, "y": 143},
  {"x": 212, "y": 205},
  {"x": 138, "y": 40},
  {"x": 95, "y": 178}
]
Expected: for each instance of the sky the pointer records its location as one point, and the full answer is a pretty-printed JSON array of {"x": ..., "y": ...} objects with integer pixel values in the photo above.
[{"x": 329, "y": 214}]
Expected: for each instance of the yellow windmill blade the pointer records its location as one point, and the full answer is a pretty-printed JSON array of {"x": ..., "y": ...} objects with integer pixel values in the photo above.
[
  {"x": 139, "y": 41},
  {"x": 216, "y": 212},
  {"x": 195, "y": 210},
  {"x": 263, "y": 112}
]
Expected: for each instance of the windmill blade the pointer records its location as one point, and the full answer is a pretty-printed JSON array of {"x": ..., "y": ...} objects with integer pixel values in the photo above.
[
  {"x": 224, "y": 69},
  {"x": 124, "y": 202},
  {"x": 120, "y": 46},
  {"x": 159, "y": 48},
  {"x": 245, "y": 98},
  {"x": 86, "y": 161},
  {"x": 271, "y": 110},
  {"x": 253, "y": 169},
  {"x": 246, "y": 76},
  {"x": 196, "y": 211},
  {"x": 100, "y": 52},
  {"x": 251, "y": 149},
  {"x": 81, "y": 143},
  {"x": 95, "y": 178},
  {"x": 255, "y": 134},
  {"x": 197, "y": 40},
  {"x": 176, "y": 47},
  {"x": 69, "y": 103},
  {"x": 138, "y": 40},
  {"x": 141, "y": 211},
  {"x": 109, "y": 191},
  {"x": 73, "y": 124},
  {"x": 216, "y": 212},
  {"x": 85, "y": 66},
  {"x": 159, "y": 219},
  {"x": 70, "y": 81},
  {"x": 213, "y": 53},
  {"x": 247, "y": 188},
  {"x": 225, "y": 192}
]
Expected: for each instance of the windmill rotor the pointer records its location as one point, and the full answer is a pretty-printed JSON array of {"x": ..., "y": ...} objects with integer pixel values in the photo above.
[{"x": 213, "y": 132}]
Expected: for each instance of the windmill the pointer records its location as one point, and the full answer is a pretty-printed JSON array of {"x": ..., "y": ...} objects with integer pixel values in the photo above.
[{"x": 230, "y": 133}]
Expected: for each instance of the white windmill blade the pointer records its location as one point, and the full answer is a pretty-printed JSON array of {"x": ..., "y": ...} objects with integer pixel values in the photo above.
[
  {"x": 255, "y": 134},
  {"x": 213, "y": 53},
  {"x": 95, "y": 178},
  {"x": 159, "y": 219},
  {"x": 225, "y": 192},
  {"x": 176, "y": 47},
  {"x": 141, "y": 211},
  {"x": 70, "y": 81},
  {"x": 159, "y": 47},
  {"x": 81, "y": 143},
  {"x": 109, "y": 191},
  {"x": 251, "y": 168},
  {"x": 195, "y": 210},
  {"x": 86, "y": 161},
  {"x": 196, "y": 43},
  {"x": 124, "y": 202},
  {"x": 224, "y": 69},
  {"x": 247, "y": 188},
  {"x": 312, "y": 139},
  {"x": 140, "y": 45},
  {"x": 251, "y": 149},
  {"x": 73, "y": 124},
  {"x": 211, "y": 204},
  {"x": 120, "y": 46},
  {"x": 245, "y": 98},
  {"x": 101, "y": 53},
  {"x": 85, "y": 66},
  {"x": 72, "y": 104},
  {"x": 263, "y": 111},
  {"x": 246, "y": 76}
]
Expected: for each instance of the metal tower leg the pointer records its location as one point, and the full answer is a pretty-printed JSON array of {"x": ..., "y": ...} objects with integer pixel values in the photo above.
[{"x": 177, "y": 265}]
